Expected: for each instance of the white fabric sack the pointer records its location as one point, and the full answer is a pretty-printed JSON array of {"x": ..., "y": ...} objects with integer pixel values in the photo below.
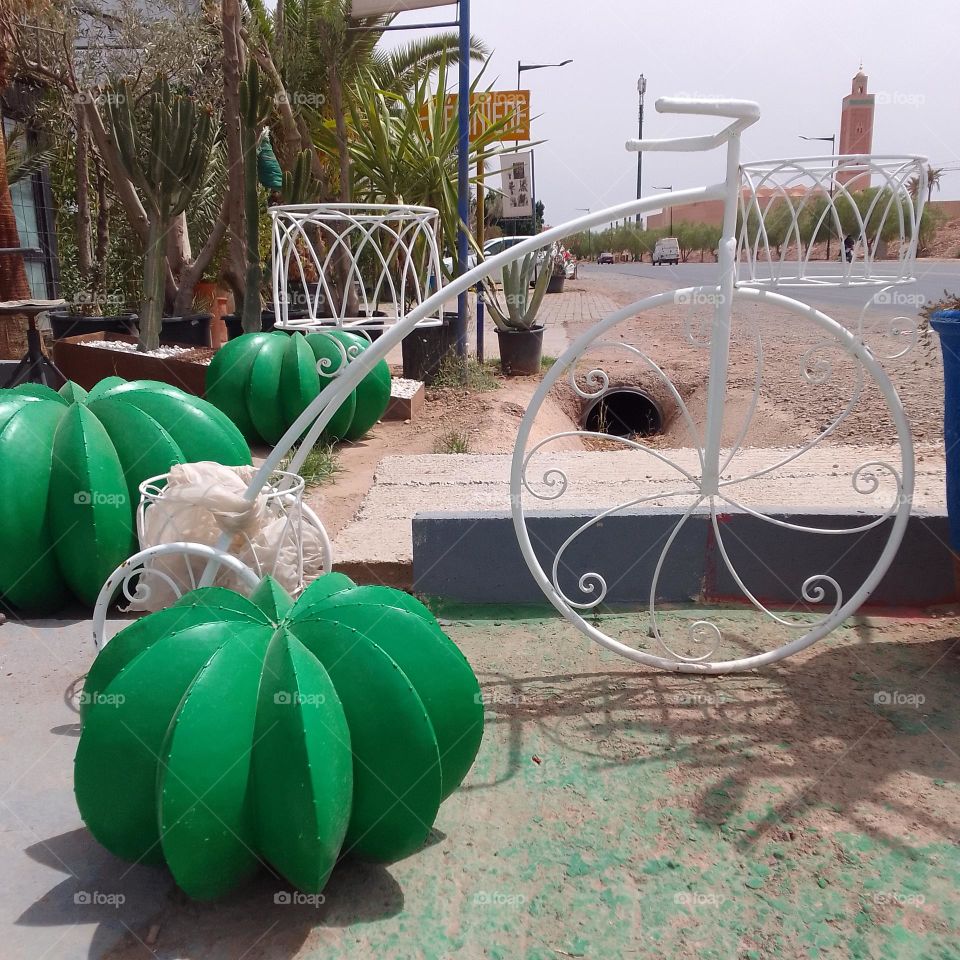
[{"x": 200, "y": 502}]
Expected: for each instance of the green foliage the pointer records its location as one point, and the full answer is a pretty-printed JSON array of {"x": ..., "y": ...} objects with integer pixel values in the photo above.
[
  {"x": 453, "y": 441},
  {"x": 517, "y": 307},
  {"x": 457, "y": 374},
  {"x": 167, "y": 166},
  {"x": 403, "y": 149},
  {"x": 320, "y": 466}
]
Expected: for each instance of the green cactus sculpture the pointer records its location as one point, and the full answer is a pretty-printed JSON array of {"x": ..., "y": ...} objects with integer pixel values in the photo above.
[{"x": 167, "y": 167}]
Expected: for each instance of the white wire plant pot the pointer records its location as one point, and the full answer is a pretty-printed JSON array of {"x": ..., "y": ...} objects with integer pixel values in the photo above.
[
  {"x": 868, "y": 206},
  {"x": 355, "y": 266},
  {"x": 270, "y": 538}
]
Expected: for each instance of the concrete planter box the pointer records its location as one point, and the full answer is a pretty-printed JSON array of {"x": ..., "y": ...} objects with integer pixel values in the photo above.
[
  {"x": 87, "y": 365},
  {"x": 406, "y": 408}
]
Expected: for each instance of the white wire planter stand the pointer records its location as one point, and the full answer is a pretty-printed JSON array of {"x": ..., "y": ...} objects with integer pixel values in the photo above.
[
  {"x": 711, "y": 488},
  {"x": 777, "y": 196},
  {"x": 385, "y": 255}
]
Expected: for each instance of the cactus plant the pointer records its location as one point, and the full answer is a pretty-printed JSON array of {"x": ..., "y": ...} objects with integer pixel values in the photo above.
[
  {"x": 520, "y": 306},
  {"x": 298, "y": 184},
  {"x": 226, "y": 732},
  {"x": 167, "y": 167},
  {"x": 253, "y": 112}
]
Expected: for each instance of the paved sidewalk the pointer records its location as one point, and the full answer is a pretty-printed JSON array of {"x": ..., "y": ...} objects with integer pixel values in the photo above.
[{"x": 805, "y": 811}]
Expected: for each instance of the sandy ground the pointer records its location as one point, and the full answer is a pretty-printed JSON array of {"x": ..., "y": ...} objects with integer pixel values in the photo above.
[
  {"x": 805, "y": 382},
  {"x": 804, "y": 385}
]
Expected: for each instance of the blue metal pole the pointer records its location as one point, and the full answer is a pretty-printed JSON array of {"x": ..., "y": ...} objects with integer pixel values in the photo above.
[{"x": 463, "y": 170}]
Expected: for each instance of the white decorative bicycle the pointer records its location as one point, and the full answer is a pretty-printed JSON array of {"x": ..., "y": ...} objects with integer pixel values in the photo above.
[{"x": 790, "y": 192}]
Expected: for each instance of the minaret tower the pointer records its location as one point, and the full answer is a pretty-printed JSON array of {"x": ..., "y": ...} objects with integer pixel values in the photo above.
[{"x": 856, "y": 128}]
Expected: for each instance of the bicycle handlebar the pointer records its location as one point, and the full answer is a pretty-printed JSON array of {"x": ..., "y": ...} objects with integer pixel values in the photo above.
[
  {"x": 736, "y": 109},
  {"x": 744, "y": 113}
]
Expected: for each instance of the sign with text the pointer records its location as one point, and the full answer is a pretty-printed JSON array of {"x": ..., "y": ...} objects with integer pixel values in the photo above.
[
  {"x": 492, "y": 107},
  {"x": 379, "y": 8},
  {"x": 518, "y": 185}
]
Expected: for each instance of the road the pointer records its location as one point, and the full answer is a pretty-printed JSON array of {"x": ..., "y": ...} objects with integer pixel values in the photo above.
[{"x": 933, "y": 277}]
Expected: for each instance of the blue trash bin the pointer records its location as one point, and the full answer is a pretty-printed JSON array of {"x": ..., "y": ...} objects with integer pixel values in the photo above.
[{"x": 947, "y": 324}]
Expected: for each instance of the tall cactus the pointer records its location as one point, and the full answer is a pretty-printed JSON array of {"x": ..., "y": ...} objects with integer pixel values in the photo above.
[
  {"x": 167, "y": 167},
  {"x": 298, "y": 184},
  {"x": 253, "y": 112}
]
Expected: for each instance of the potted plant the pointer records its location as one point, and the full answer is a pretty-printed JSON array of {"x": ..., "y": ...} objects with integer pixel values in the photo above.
[
  {"x": 520, "y": 336},
  {"x": 556, "y": 266}
]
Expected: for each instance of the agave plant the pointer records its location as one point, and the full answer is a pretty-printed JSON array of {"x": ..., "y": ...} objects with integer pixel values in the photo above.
[{"x": 518, "y": 308}]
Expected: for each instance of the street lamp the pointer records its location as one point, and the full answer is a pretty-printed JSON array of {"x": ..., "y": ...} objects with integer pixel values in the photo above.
[
  {"x": 833, "y": 150},
  {"x": 670, "y": 188},
  {"x": 641, "y": 89},
  {"x": 537, "y": 66}
]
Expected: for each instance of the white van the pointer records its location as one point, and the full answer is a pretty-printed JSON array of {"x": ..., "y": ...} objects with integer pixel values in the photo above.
[{"x": 667, "y": 250}]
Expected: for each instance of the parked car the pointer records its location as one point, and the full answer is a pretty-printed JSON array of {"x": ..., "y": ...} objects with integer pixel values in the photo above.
[
  {"x": 666, "y": 250},
  {"x": 490, "y": 249},
  {"x": 605, "y": 257}
]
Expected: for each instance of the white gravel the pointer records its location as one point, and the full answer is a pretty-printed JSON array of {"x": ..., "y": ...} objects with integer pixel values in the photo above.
[
  {"x": 123, "y": 347},
  {"x": 404, "y": 389}
]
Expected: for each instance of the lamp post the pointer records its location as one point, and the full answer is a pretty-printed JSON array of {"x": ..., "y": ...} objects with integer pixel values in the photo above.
[
  {"x": 521, "y": 66},
  {"x": 833, "y": 149},
  {"x": 537, "y": 66},
  {"x": 670, "y": 188},
  {"x": 641, "y": 89}
]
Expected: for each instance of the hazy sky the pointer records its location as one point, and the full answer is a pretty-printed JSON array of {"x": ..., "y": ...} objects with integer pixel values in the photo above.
[{"x": 796, "y": 60}]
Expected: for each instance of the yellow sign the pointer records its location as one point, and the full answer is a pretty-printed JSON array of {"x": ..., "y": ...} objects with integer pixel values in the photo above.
[{"x": 491, "y": 108}]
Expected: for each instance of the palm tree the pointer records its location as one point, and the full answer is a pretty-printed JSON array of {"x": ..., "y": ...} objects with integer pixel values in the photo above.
[
  {"x": 932, "y": 179},
  {"x": 316, "y": 62}
]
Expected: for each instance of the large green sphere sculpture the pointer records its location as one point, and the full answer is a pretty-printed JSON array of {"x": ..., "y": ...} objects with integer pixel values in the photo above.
[
  {"x": 70, "y": 467},
  {"x": 264, "y": 381},
  {"x": 222, "y": 732}
]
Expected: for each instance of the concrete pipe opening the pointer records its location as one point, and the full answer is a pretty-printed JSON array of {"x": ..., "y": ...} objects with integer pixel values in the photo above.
[{"x": 624, "y": 412}]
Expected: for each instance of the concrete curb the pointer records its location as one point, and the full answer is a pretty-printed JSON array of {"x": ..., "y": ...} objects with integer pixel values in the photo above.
[{"x": 474, "y": 557}]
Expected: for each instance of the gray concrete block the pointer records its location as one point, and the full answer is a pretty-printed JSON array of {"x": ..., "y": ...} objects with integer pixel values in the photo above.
[{"x": 474, "y": 557}]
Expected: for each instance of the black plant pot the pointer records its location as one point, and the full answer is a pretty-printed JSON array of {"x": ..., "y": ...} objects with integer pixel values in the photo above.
[
  {"x": 234, "y": 324},
  {"x": 66, "y": 324},
  {"x": 425, "y": 348},
  {"x": 555, "y": 284},
  {"x": 520, "y": 351},
  {"x": 192, "y": 329}
]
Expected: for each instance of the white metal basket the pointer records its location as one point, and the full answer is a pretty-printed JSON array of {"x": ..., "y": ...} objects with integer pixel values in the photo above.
[
  {"x": 387, "y": 254},
  {"x": 868, "y": 206},
  {"x": 269, "y": 542}
]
